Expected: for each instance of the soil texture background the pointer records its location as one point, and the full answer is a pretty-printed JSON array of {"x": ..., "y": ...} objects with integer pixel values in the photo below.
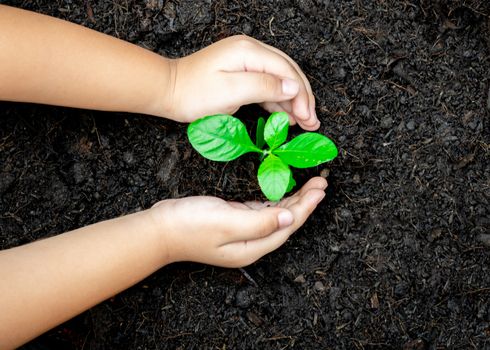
[{"x": 397, "y": 255}]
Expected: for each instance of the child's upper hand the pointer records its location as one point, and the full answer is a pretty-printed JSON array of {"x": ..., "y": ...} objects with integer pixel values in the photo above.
[
  {"x": 230, "y": 234},
  {"x": 237, "y": 71}
]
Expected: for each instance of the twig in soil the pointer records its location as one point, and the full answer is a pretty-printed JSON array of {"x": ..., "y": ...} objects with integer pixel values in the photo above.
[
  {"x": 9, "y": 215},
  {"x": 270, "y": 26},
  {"x": 248, "y": 277},
  {"x": 369, "y": 266},
  {"x": 374, "y": 42},
  {"x": 408, "y": 89},
  {"x": 170, "y": 337},
  {"x": 96, "y": 132},
  {"x": 278, "y": 337},
  {"x": 5, "y": 142},
  {"x": 194, "y": 272},
  {"x": 221, "y": 176},
  {"x": 476, "y": 291}
]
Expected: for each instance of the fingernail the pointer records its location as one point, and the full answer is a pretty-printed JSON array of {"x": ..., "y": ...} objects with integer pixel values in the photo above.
[
  {"x": 290, "y": 87},
  {"x": 285, "y": 219}
]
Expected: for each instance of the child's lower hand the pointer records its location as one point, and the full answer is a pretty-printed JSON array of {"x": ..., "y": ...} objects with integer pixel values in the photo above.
[
  {"x": 237, "y": 71},
  {"x": 230, "y": 234}
]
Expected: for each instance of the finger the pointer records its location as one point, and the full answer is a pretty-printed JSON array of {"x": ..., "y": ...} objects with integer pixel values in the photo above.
[
  {"x": 283, "y": 106},
  {"x": 287, "y": 107},
  {"x": 306, "y": 82},
  {"x": 250, "y": 251},
  {"x": 256, "y": 205},
  {"x": 272, "y": 107},
  {"x": 316, "y": 182},
  {"x": 238, "y": 205},
  {"x": 248, "y": 224},
  {"x": 307, "y": 121},
  {"x": 303, "y": 208},
  {"x": 252, "y": 87},
  {"x": 311, "y": 127},
  {"x": 254, "y": 56}
]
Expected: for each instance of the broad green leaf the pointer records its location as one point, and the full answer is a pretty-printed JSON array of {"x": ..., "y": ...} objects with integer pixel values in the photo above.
[
  {"x": 274, "y": 177},
  {"x": 307, "y": 150},
  {"x": 276, "y": 129},
  {"x": 220, "y": 137},
  {"x": 291, "y": 184},
  {"x": 259, "y": 134}
]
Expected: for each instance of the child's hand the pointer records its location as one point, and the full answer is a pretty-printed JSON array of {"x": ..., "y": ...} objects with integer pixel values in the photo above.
[
  {"x": 68, "y": 65},
  {"x": 230, "y": 234},
  {"x": 237, "y": 71}
]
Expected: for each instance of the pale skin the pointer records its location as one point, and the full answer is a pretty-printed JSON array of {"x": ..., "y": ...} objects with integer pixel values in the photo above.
[{"x": 49, "y": 61}]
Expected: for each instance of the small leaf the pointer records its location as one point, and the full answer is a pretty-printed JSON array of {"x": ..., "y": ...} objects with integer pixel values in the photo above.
[
  {"x": 259, "y": 134},
  {"x": 307, "y": 150},
  {"x": 276, "y": 129},
  {"x": 220, "y": 137},
  {"x": 291, "y": 184},
  {"x": 274, "y": 177}
]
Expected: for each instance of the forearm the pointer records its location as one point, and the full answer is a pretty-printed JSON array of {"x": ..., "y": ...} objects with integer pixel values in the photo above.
[
  {"x": 47, "y": 282},
  {"x": 50, "y": 61}
]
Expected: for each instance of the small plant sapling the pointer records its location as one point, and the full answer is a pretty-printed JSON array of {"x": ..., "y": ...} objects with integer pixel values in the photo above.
[{"x": 223, "y": 138}]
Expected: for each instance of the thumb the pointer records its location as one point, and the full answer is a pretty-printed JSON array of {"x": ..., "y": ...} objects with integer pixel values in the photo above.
[
  {"x": 254, "y": 87},
  {"x": 255, "y": 224}
]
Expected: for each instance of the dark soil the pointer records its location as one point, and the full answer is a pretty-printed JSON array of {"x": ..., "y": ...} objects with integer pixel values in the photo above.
[{"x": 397, "y": 256}]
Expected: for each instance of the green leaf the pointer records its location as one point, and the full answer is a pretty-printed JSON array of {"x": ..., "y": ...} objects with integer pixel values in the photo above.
[
  {"x": 307, "y": 150},
  {"x": 259, "y": 134},
  {"x": 276, "y": 129},
  {"x": 274, "y": 177},
  {"x": 220, "y": 137},
  {"x": 291, "y": 184}
]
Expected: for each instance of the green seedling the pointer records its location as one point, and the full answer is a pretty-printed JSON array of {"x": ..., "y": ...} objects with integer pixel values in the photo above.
[{"x": 223, "y": 138}]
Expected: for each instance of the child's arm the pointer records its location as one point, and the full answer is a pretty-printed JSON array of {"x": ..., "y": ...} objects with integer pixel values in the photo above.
[
  {"x": 50, "y": 61},
  {"x": 47, "y": 282},
  {"x": 46, "y": 60}
]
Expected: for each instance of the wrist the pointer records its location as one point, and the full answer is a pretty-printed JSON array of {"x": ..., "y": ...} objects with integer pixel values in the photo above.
[
  {"x": 163, "y": 94},
  {"x": 161, "y": 230}
]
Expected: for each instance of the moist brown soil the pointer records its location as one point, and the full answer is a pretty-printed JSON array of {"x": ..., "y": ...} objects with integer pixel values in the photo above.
[{"x": 397, "y": 256}]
